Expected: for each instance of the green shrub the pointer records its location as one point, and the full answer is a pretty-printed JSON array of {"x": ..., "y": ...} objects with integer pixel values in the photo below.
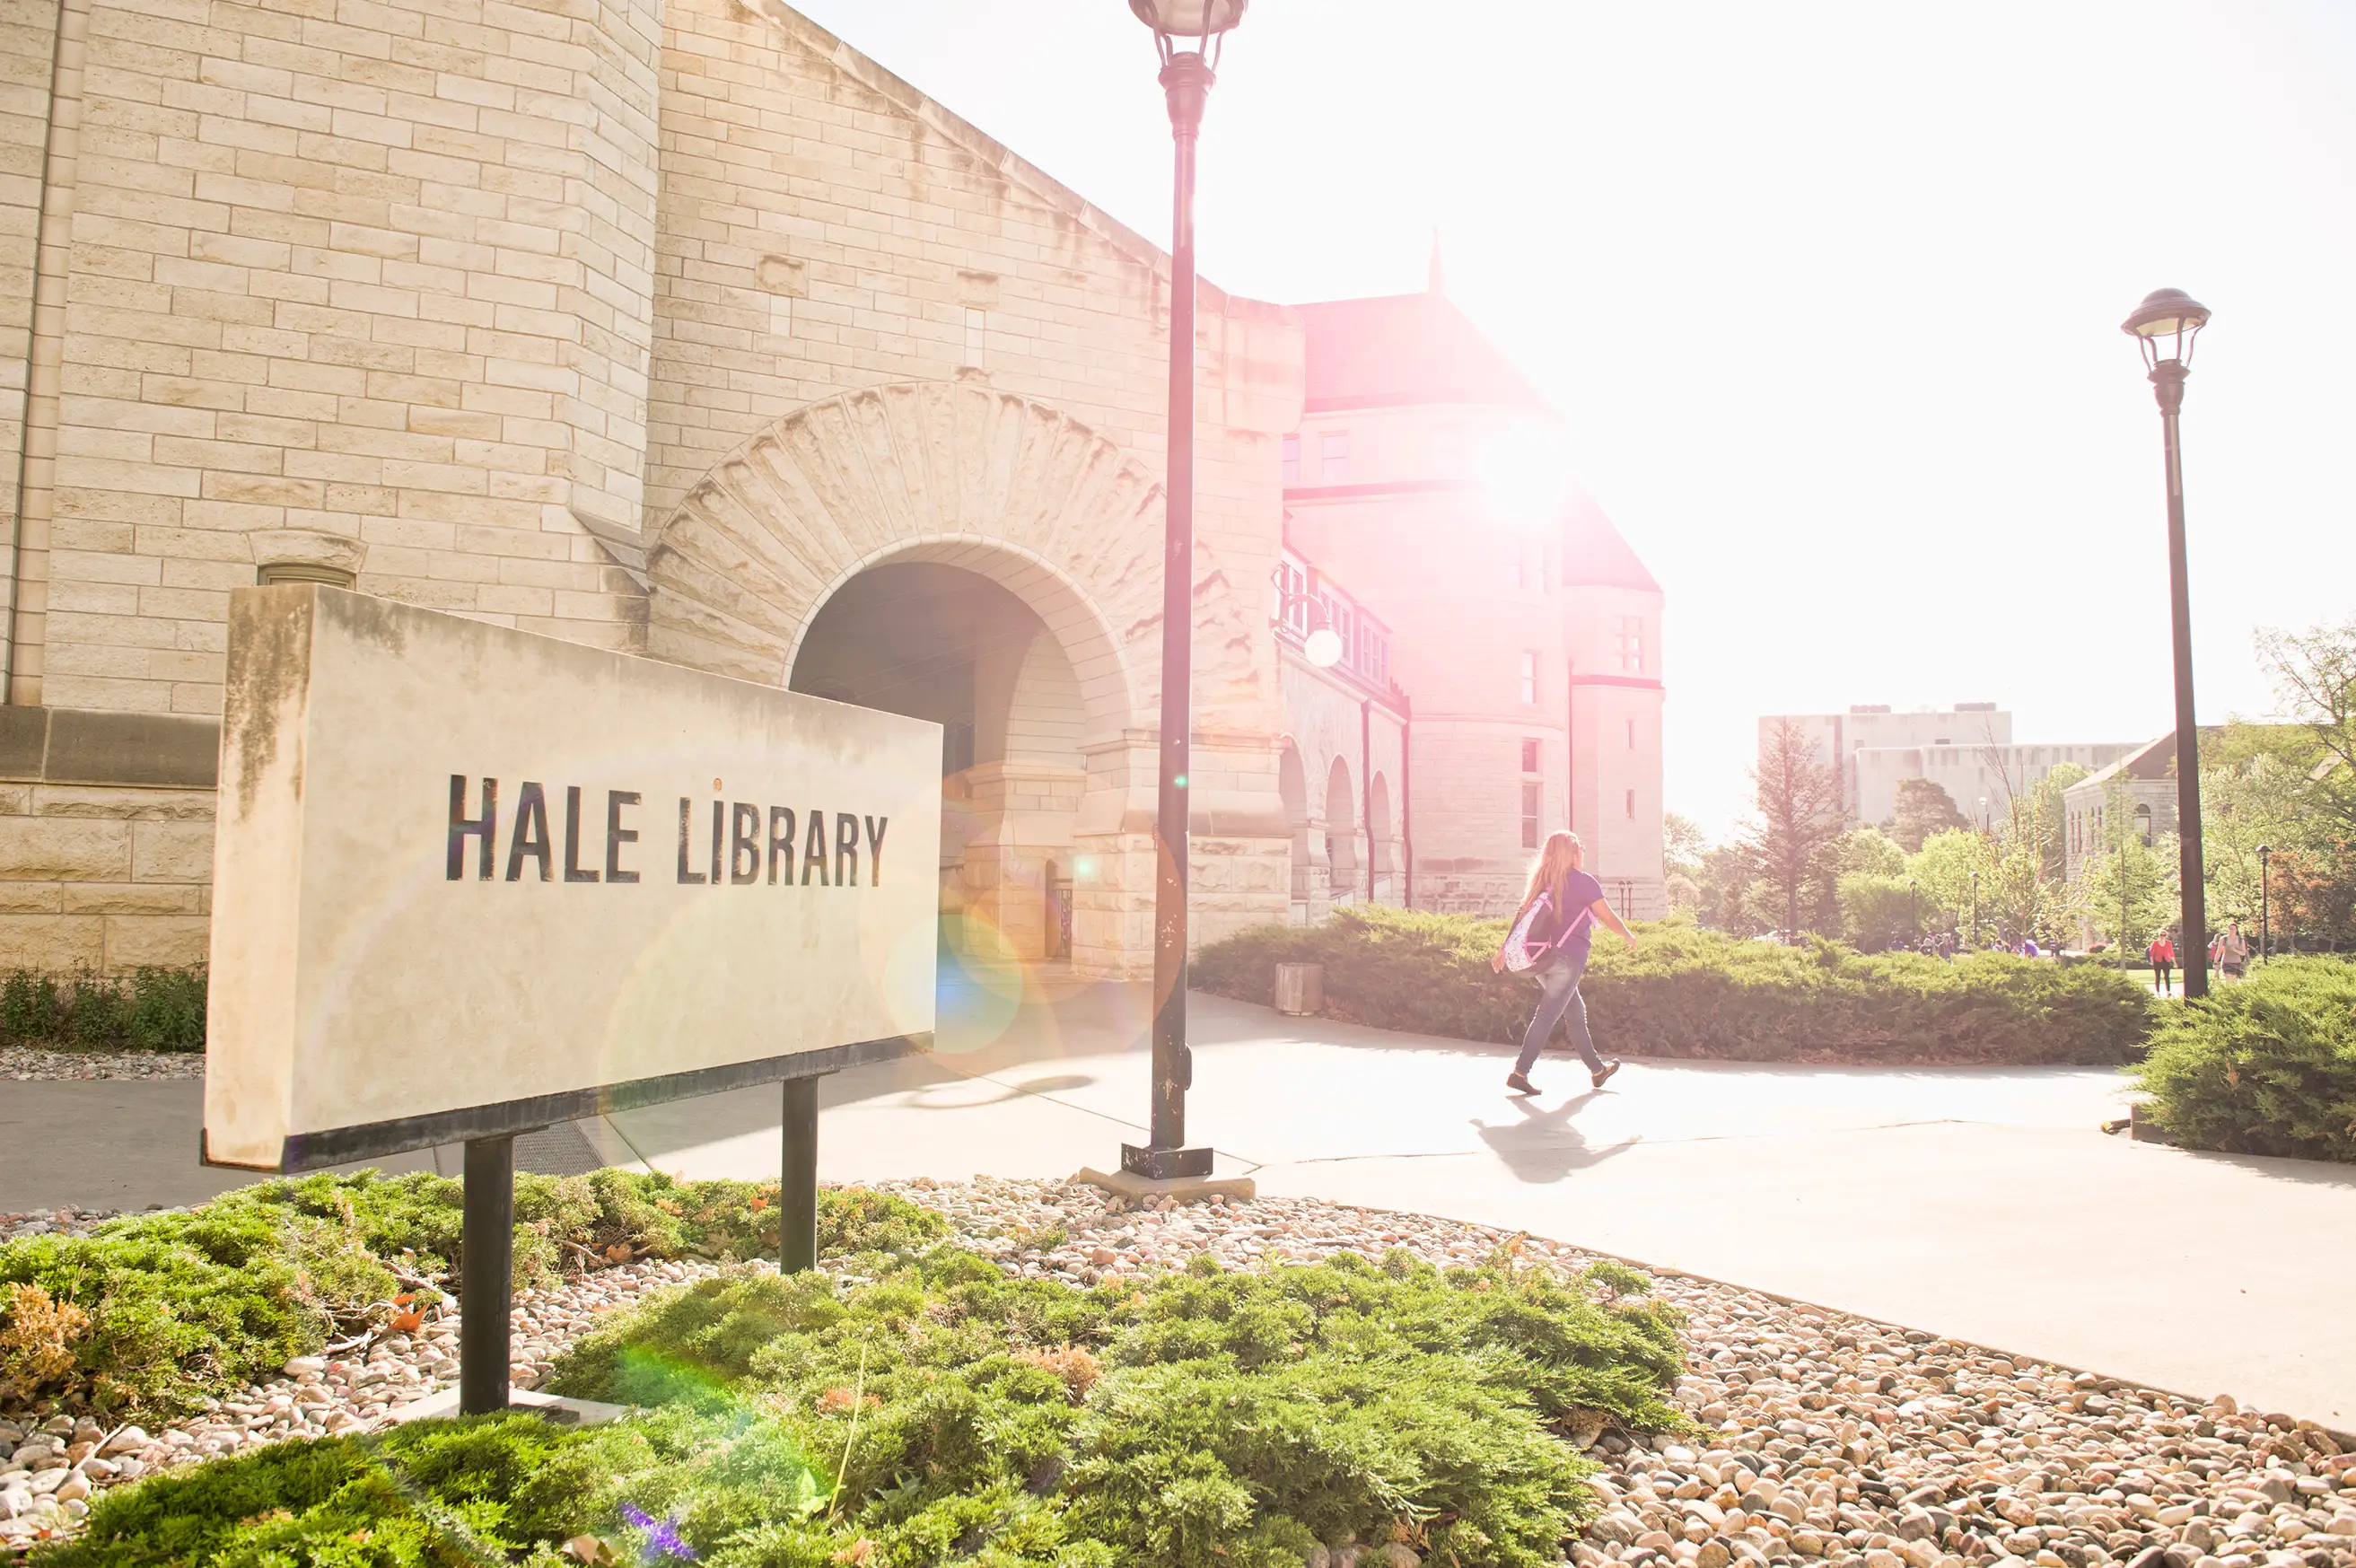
[
  {"x": 153, "y": 1010},
  {"x": 2264, "y": 1067},
  {"x": 1686, "y": 992},
  {"x": 945, "y": 1413},
  {"x": 173, "y": 1307}
]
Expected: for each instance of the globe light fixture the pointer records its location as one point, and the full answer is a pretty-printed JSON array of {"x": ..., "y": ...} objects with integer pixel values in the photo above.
[
  {"x": 2164, "y": 326},
  {"x": 1198, "y": 20},
  {"x": 1323, "y": 647}
]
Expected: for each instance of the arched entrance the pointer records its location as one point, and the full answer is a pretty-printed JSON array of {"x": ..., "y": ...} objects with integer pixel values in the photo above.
[
  {"x": 1379, "y": 844},
  {"x": 1006, "y": 489},
  {"x": 941, "y": 642},
  {"x": 1342, "y": 837},
  {"x": 1292, "y": 788}
]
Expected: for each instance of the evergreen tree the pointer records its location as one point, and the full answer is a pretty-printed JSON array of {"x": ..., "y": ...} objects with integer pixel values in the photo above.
[
  {"x": 1791, "y": 843},
  {"x": 1923, "y": 808}
]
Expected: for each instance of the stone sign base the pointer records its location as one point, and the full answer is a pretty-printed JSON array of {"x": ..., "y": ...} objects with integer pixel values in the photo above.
[{"x": 1138, "y": 1188}]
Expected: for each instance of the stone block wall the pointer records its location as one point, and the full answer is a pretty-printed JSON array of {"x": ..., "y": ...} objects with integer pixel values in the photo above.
[{"x": 108, "y": 876}]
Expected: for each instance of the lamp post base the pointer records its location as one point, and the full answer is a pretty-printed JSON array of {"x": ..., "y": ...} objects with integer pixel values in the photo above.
[
  {"x": 1137, "y": 1189},
  {"x": 1164, "y": 1165}
]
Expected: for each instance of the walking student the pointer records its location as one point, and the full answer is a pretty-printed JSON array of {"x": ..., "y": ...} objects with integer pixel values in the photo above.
[
  {"x": 1559, "y": 911},
  {"x": 2162, "y": 953}
]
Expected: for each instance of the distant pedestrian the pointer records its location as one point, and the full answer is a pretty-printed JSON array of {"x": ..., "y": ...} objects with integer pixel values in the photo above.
[
  {"x": 2232, "y": 950},
  {"x": 2162, "y": 953},
  {"x": 1550, "y": 936}
]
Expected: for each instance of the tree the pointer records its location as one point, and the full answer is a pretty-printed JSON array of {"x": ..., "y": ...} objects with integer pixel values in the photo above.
[
  {"x": 1923, "y": 808},
  {"x": 1878, "y": 911},
  {"x": 1865, "y": 851},
  {"x": 1723, "y": 892},
  {"x": 1943, "y": 876},
  {"x": 2315, "y": 678},
  {"x": 1789, "y": 844}
]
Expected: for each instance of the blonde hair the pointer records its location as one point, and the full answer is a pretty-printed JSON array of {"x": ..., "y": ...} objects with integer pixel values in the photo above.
[{"x": 1562, "y": 855}]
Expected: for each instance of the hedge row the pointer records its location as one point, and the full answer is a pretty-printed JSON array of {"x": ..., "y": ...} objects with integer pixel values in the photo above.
[
  {"x": 2264, "y": 1067},
  {"x": 1686, "y": 992},
  {"x": 153, "y": 1009}
]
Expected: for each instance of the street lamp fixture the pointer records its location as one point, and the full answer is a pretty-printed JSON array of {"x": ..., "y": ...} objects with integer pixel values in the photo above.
[
  {"x": 2265, "y": 930},
  {"x": 2164, "y": 326},
  {"x": 1189, "y": 34},
  {"x": 1975, "y": 902},
  {"x": 1914, "y": 909},
  {"x": 1322, "y": 645}
]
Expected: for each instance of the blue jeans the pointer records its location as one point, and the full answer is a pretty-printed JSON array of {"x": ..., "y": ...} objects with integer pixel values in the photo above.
[{"x": 1559, "y": 1001}]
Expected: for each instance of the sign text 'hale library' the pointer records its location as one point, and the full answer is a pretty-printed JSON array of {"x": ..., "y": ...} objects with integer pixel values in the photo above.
[{"x": 744, "y": 845}]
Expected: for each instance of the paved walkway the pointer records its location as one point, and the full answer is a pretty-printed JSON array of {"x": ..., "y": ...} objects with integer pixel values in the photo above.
[{"x": 1979, "y": 1203}]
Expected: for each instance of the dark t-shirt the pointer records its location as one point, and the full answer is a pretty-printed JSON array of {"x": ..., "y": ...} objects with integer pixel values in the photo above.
[{"x": 1579, "y": 891}]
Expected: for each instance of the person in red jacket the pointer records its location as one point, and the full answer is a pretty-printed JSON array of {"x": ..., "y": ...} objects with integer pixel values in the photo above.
[{"x": 2162, "y": 953}]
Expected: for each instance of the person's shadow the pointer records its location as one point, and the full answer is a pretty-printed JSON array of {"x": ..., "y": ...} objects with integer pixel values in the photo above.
[{"x": 1543, "y": 1147}]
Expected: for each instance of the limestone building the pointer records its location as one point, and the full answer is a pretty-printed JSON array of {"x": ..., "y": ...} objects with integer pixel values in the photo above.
[{"x": 680, "y": 327}]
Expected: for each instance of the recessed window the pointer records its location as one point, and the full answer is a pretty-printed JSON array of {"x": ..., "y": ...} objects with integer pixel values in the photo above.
[
  {"x": 1292, "y": 459},
  {"x": 1530, "y": 816},
  {"x": 1632, "y": 805},
  {"x": 1529, "y": 676},
  {"x": 1333, "y": 456},
  {"x": 1631, "y": 644},
  {"x": 976, "y": 323},
  {"x": 1631, "y": 734},
  {"x": 1529, "y": 757}
]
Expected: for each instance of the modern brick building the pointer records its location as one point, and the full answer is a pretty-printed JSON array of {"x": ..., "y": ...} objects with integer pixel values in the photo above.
[{"x": 682, "y": 329}]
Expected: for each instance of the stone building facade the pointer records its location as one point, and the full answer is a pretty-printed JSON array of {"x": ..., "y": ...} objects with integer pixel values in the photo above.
[{"x": 677, "y": 328}]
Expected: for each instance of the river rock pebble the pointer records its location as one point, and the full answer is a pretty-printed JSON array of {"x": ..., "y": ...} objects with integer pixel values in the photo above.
[
  {"x": 1822, "y": 1440},
  {"x": 24, "y": 1064}
]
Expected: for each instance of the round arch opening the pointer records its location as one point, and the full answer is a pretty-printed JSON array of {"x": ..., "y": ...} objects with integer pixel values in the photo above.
[{"x": 945, "y": 643}]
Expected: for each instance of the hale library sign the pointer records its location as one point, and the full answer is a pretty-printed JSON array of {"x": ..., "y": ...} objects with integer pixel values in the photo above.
[{"x": 447, "y": 907}]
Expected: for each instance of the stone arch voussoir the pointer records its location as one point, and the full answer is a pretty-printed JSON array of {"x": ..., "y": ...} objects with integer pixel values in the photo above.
[{"x": 1004, "y": 486}]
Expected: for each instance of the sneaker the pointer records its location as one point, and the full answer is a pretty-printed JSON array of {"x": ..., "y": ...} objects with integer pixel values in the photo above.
[
  {"x": 1604, "y": 1075},
  {"x": 1520, "y": 1084}
]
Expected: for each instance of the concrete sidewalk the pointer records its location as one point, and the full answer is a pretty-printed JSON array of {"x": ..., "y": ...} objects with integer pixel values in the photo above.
[{"x": 1979, "y": 1203}]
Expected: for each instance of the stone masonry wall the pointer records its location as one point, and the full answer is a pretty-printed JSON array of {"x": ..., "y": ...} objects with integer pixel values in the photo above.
[{"x": 381, "y": 279}]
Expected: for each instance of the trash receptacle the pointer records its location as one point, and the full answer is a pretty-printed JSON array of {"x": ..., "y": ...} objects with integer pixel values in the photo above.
[{"x": 1300, "y": 989}]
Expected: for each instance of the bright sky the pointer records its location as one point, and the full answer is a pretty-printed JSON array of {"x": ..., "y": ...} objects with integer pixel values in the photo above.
[{"x": 1829, "y": 294}]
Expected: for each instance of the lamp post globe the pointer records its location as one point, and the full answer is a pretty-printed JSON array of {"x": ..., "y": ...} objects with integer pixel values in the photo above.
[
  {"x": 1196, "y": 19},
  {"x": 1189, "y": 34},
  {"x": 2165, "y": 327},
  {"x": 1322, "y": 648}
]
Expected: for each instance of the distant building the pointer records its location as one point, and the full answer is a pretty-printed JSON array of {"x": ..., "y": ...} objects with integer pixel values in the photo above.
[
  {"x": 1980, "y": 780},
  {"x": 1838, "y": 738},
  {"x": 1967, "y": 750},
  {"x": 2142, "y": 784}
]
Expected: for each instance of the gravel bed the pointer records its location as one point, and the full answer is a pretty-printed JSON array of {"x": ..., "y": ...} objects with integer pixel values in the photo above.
[
  {"x": 1820, "y": 1437},
  {"x": 23, "y": 1064}
]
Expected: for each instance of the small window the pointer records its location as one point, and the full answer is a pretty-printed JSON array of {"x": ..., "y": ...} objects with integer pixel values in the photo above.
[
  {"x": 1530, "y": 816},
  {"x": 2143, "y": 822},
  {"x": 1631, "y": 643},
  {"x": 1631, "y": 734},
  {"x": 1529, "y": 676},
  {"x": 1632, "y": 805},
  {"x": 1334, "y": 453},
  {"x": 1292, "y": 459},
  {"x": 1529, "y": 757},
  {"x": 977, "y": 322}
]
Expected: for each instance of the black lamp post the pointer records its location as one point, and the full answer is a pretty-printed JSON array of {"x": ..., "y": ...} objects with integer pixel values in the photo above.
[
  {"x": 1914, "y": 912},
  {"x": 1975, "y": 911},
  {"x": 1188, "y": 33},
  {"x": 2266, "y": 929},
  {"x": 2165, "y": 325}
]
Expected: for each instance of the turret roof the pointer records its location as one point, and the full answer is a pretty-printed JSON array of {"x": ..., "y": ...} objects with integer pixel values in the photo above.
[
  {"x": 1397, "y": 350},
  {"x": 1594, "y": 555}
]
